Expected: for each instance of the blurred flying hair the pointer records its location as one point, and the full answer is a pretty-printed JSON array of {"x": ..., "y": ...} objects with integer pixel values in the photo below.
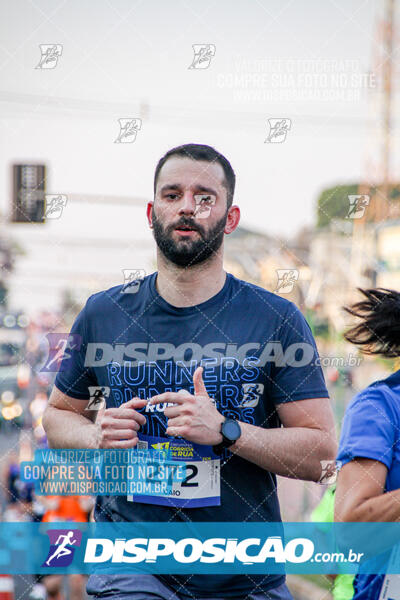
[
  {"x": 379, "y": 329},
  {"x": 201, "y": 152}
]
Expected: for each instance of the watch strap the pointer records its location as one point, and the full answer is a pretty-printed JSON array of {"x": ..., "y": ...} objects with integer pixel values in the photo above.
[{"x": 226, "y": 442}]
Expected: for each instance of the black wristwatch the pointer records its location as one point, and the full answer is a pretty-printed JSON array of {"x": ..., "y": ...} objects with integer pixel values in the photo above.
[{"x": 230, "y": 430}]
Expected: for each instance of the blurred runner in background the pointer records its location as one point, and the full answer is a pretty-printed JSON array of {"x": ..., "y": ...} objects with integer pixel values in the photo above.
[
  {"x": 368, "y": 484},
  {"x": 66, "y": 508},
  {"x": 324, "y": 513}
]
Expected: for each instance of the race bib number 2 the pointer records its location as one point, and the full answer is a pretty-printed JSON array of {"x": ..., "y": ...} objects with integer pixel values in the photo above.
[{"x": 201, "y": 485}]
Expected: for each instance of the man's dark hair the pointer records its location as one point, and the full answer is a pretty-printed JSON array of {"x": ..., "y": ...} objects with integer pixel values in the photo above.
[{"x": 207, "y": 154}]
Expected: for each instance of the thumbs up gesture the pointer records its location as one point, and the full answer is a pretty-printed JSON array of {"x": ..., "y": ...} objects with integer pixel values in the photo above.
[{"x": 193, "y": 416}]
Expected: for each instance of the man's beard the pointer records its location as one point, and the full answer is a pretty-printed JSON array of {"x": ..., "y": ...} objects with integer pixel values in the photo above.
[{"x": 188, "y": 252}]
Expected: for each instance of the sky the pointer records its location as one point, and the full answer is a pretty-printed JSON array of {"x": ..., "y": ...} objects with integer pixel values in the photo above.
[{"x": 308, "y": 62}]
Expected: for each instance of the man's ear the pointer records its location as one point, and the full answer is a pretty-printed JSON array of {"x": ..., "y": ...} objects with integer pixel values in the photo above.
[
  {"x": 233, "y": 219},
  {"x": 149, "y": 211}
]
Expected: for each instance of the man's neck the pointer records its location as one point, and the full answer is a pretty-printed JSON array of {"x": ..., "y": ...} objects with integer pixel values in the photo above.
[{"x": 189, "y": 286}]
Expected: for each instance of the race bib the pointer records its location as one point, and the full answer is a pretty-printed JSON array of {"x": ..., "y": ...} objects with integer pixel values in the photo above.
[
  {"x": 391, "y": 583},
  {"x": 201, "y": 485}
]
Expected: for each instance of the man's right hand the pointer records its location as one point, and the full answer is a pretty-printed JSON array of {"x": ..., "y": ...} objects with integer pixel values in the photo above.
[
  {"x": 118, "y": 427},
  {"x": 69, "y": 424}
]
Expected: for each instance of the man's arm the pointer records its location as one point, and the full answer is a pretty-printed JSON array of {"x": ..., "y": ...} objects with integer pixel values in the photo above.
[
  {"x": 68, "y": 424},
  {"x": 296, "y": 449}
]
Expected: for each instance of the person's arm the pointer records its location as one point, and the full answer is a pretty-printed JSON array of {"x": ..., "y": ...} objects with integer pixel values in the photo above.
[
  {"x": 366, "y": 451},
  {"x": 360, "y": 493},
  {"x": 296, "y": 450},
  {"x": 68, "y": 424},
  {"x": 299, "y": 394},
  {"x": 67, "y": 421}
]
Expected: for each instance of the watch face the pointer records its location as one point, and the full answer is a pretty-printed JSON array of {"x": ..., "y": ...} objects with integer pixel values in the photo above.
[{"x": 231, "y": 429}]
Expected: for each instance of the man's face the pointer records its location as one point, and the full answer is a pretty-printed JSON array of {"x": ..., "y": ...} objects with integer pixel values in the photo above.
[{"x": 189, "y": 213}]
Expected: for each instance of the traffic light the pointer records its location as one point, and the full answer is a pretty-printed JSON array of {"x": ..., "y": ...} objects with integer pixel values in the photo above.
[{"x": 29, "y": 187}]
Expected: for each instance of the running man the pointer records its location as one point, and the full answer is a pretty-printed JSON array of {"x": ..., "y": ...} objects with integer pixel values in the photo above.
[{"x": 191, "y": 326}]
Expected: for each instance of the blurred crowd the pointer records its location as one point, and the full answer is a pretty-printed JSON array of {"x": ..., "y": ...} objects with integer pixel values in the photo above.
[{"x": 25, "y": 386}]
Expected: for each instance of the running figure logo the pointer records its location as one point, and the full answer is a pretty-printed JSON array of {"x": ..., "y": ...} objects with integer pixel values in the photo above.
[
  {"x": 60, "y": 347},
  {"x": 251, "y": 394},
  {"x": 50, "y": 53},
  {"x": 61, "y": 552},
  {"x": 98, "y": 397},
  {"x": 203, "y": 54},
  {"x": 358, "y": 204},
  {"x": 278, "y": 129},
  {"x": 204, "y": 202},
  {"x": 128, "y": 129},
  {"x": 329, "y": 470},
  {"x": 132, "y": 280},
  {"x": 286, "y": 280},
  {"x": 55, "y": 203}
]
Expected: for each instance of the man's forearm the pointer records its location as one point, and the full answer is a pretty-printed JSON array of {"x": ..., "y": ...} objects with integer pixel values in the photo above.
[
  {"x": 67, "y": 429},
  {"x": 289, "y": 451}
]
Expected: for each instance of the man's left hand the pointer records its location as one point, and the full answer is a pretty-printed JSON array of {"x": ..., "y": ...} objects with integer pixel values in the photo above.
[{"x": 194, "y": 417}]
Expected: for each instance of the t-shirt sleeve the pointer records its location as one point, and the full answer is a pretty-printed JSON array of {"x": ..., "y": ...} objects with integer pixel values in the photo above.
[
  {"x": 73, "y": 377},
  {"x": 295, "y": 371},
  {"x": 368, "y": 429}
]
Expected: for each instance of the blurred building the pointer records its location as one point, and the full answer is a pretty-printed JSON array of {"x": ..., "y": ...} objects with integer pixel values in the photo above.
[
  {"x": 339, "y": 262},
  {"x": 388, "y": 251},
  {"x": 64, "y": 260},
  {"x": 79, "y": 253},
  {"x": 260, "y": 259}
]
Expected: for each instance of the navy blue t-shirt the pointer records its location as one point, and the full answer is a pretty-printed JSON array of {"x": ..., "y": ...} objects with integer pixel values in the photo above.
[
  {"x": 257, "y": 351},
  {"x": 371, "y": 430}
]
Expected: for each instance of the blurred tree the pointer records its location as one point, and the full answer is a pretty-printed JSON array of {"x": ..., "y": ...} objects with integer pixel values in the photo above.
[{"x": 333, "y": 203}]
